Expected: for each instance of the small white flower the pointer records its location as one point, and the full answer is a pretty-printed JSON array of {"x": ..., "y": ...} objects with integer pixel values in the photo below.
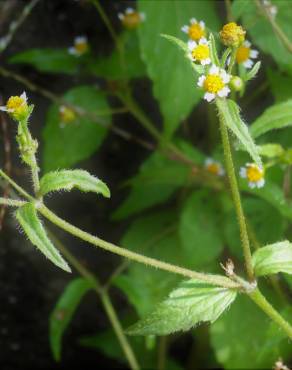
[
  {"x": 270, "y": 8},
  {"x": 215, "y": 83},
  {"x": 245, "y": 54},
  {"x": 131, "y": 18},
  {"x": 214, "y": 167},
  {"x": 196, "y": 30},
  {"x": 199, "y": 52},
  {"x": 80, "y": 46},
  {"x": 14, "y": 103},
  {"x": 254, "y": 174}
]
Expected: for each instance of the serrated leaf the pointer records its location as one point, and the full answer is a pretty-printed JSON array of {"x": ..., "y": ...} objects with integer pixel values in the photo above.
[
  {"x": 48, "y": 60},
  {"x": 191, "y": 303},
  {"x": 111, "y": 67},
  {"x": 230, "y": 113},
  {"x": 253, "y": 72},
  {"x": 63, "y": 312},
  {"x": 213, "y": 50},
  {"x": 273, "y": 258},
  {"x": 174, "y": 80},
  {"x": 31, "y": 225},
  {"x": 66, "y": 145},
  {"x": 199, "y": 228},
  {"x": 276, "y": 117},
  {"x": 69, "y": 179}
]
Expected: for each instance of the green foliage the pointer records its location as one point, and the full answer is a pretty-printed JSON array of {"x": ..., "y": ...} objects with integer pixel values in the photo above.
[
  {"x": 199, "y": 228},
  {"x": 69, "y": 179},
  {"x": 68, "y": 144},
  {"x": 173, "y": 77},
  {"x": 230, "y": 112},
  {"x": 253, "y": 72},
  {"x": 273, "y": 258},
  {"x": 113, "y": 68},
  {"x": 34, "y": 230},
  {"x": 280, "y": 85},
  {"x": 63, "y": 312},
  {"x": 201, "y": 302},
  {"x": 241, "y": 338},
  {"x": 48, "y": 60},
  {"x": 276, "y": 117},
  {"x": 271, "y": 150}
]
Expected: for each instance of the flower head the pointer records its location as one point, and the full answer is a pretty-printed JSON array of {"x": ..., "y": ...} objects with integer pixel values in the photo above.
[
  {"x": 196, "y": 30},
  {"x": 214, "y": 83},
  {"x": 80, "y": 46},
  {"x": 232, "y": 34},
  {"x": 214, "y": 167},
  {"x": 17, "y": 107},
  {"x": 236, "y": 83},
  {"x": 254, "y": 174},
  {"x": 131, "y": 18},
  {"x": 66, "y": 115},
  {"x": 199, "y": 52},
  {"x": 245, "y": 54}
]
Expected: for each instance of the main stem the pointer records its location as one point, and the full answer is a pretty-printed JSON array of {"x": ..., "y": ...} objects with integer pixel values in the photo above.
[
  {"x": 211, "y": 279},
  {"x": 261, "y": 301},
  {"x": 236, "y": 198}
]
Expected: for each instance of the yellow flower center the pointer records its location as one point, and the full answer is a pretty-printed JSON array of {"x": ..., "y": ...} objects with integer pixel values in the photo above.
[
  {"x": 232, "y": 34},
  {"x": 14, "y": 103},
  {"x": 131, "y": 20},
  {"x": 242, "y": 54},
  {"x": 213, "y": 84},
  {"x": 196, "y": 32},
  {"x": 81, "y": 47},
  {"x": 213, "y": 168},
  {"x": 67, "y": 115},
  {"x": 201, "y": 52},
  {"x": 254, "y": 173}
]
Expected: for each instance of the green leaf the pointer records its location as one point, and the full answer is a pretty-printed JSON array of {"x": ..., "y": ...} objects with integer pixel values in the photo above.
[
  {"x": 229, "y": 110},
  {"x": 191, "y": 303},
  {"x": 262, "y": 32},
  {"x": 273, "y": 258},
  {"x": 199, "y": 228},
  {"x": 213, "y": 50},
  {"x": 31, "y": 225},
  {"x": 69, "y": 179},
  {"x": 253, "y": 72},
  {"x": 271, "y": 150},
  {"x": 63, "y": 312},
  {"x": 77, "y": 140},
  {"x": 276, "y": 117},
  {"x": 111, "y": 67},
  {"x": 48, "y": 60},
  {"x": 174, "y": 80},
  {"x": 280, "y": 85},
  {"x": 239, "y": 337}
]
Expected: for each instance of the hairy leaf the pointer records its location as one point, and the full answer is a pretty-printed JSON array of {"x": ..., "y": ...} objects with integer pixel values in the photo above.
[
  {"x": 229, "y": 110},
  {"x": 69, "y": 179},
  {"x": 68, "y": 143},
  {"x": 273, "y": 258},
  {"x": 276, "y": 117},
  {"x": 31, "y": 225},
  {"x": 63, "y": 312},
  {"x": 174, "y": 80},
  {"x": 191, "y": 303}
]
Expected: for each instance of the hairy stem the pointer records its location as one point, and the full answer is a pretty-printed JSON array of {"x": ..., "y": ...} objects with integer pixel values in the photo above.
[
  {"x": 261, "y": 301},
  {"x": 211, "y": 279},
  {"x": 236, "y": 198},
  {"x": 106, "y": 302},
  {"x": 11, "y": 202}
]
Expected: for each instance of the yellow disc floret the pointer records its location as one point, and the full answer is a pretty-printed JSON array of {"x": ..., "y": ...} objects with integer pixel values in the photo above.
[
  {"x": 242, "y": 54},
  {"x": 81, "y": 47},
  {"x": 196, "y": 31},
  {"x": 131, "y": 20},
  {"x": 213, "y": 168},
  {"x": 213, "y": 83},
  {"x": 67, "y": 115},
  {"x": 17, "y": 107},
  {"x": 232, "y": 34},
  {"x": 254, "y": 173},
  {"x": 201, "y": 52}
]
